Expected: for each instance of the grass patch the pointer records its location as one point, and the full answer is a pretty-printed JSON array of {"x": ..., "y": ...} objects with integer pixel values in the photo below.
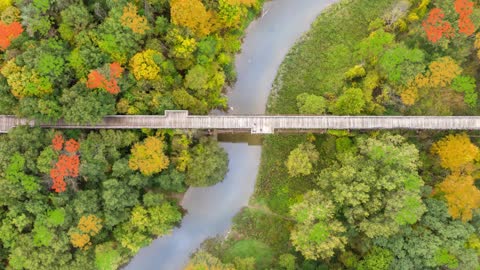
[{"x": 317, "y": 63}]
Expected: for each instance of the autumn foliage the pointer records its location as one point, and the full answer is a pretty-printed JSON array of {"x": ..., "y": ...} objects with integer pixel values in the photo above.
[
  {"x": 435, "y": 27},
  {"x": 132, "y": 20},
  {"x": 148, "y": 157},
  {"x": 72, "y": 146},
  {"x": 68, "y": 163},
  {"x": 57, "y": 142},
  {"x": 98, "y": 80},
  {"x": 441, "y": 73},
  {"x": 87, "y": 227},
  {"x": 464, "y": 9},
  {"x": 455, "y": 151},
  {"x": 192, "y": 14},
  {"x": 9, "y": 32},
  {"x": 458, "y": 153},
  {"x": 461, "y": 194}
]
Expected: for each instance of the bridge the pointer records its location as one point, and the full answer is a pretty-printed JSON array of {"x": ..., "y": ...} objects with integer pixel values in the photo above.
[{"x": 260, "y": 124}]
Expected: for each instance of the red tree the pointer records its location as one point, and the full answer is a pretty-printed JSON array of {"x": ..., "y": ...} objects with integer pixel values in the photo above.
[
  {"x": 97, "y": 80},
  {"x": 72, "y": 146},
  {"x": 464, "y": 9},
  {"x": 9, "y": 32},
  {"x": 59, "y": 184},
  {"x": 67, "y": 165},
  {"x": 57, "y": 142},
  {"x": 435, "y": 27}
]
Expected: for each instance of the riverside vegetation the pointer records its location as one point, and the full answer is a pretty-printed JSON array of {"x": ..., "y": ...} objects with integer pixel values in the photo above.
[{"x": 376, "y": 200}]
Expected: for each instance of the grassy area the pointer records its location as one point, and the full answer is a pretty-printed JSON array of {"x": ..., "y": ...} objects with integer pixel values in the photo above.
[
  {"x": 316, "y": 65},
  {"x": 317, "y": 62}
]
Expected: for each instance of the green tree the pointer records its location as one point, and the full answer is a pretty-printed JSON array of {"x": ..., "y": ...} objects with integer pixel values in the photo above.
[
  {"x": 311, "y": 104},
  {"x": 317, "y": 234},
  {"x": 287, "y": 261},
  {"x": 376, "y": 259},
  {"x": 378, "y": 188},
  {"x": 351, "y": 102},
  {"x": 372, "y": 47},
  {"x": 436, "y": 241},
  {"x": 302, "y": 159},
  {"x": 81, "y": 105},
  {"x": 401, "y": 64},
  {"x": 209, "y": 164}
]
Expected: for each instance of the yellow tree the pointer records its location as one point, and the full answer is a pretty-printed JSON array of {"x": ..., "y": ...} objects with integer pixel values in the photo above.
[
  {"x": 455, "y": 151},
  {"x": 461, "y": 194},
  {"x": 90, "y": 224},
  {"x": 80, "y": 240},
  {"x": 192, "y": 14},
  {"x": 132, "y": 20},
  {"x": 443, "y": 71},
  {"x": 148, "y": 157},
  {"x": 409, "y": 96},
  {"x": 143, "y": 65},
  {"x": 24, "y": 82}
]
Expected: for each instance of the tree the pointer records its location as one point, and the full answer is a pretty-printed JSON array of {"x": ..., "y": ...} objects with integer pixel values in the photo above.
[
  {"x": 191, "y": 14},
  {"x": 25, "y": 82},
  {"x": 425, "y": 244},
  {"x": 46, "y": 159},
  {"x": 132, "y": 20},
  {"x": 90, "y": 224},
  {"x": 208, "y": 166},
  {"x": 464, "y": 9},
  {"x": 468, "y": 86},
  {"x": 75, "y": 18},
  {"x": 351, "y": 102},
  {"x": 435, "y": 27},
  {"x": 317, "y": 234},
  {"x": 99, "y": 79},
  {"x": 378, "y": 188},
  {"x": 461, "y": 194},
  {"x": 9, "y": 32},
  {"x": 401, "y": 64},
  {"x": 287, "y": 261},
  {"x": 372, "y": 47},
  {"x": 145, "y": 65},
  {"x": 148, "y": 157},
  {"x": 107, "y": 256},
  {"x": 301, "y": 160},
  {"x": 376, "y": 259},
  {"x": 443, "y": 71},
  {"x": 204, "y": 260},
  {"x": 80, "y": 105},
  {"x": 311, "y": 104},
  {"x": 80, "y": 240},
  {"x": 67, "y": 165},
  {"x": 456, "y": 152}
]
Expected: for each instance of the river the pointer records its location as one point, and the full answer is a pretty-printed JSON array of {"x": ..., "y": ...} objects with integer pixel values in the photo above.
[{"x": 210, "y": 210}]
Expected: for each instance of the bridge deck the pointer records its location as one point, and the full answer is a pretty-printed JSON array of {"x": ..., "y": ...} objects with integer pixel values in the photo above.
[{"x": 262, "y": 124}]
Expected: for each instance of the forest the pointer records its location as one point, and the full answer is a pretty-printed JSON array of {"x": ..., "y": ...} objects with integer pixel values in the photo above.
[
  {"x": 91, "y": 199},
  {"x": 80, "y": 60},
  {"x": 368, "y": 200}
]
